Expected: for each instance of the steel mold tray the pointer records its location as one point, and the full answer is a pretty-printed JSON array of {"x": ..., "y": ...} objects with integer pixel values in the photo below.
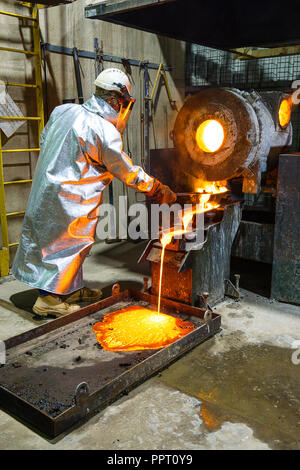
[{"x": 57, "y": 375}]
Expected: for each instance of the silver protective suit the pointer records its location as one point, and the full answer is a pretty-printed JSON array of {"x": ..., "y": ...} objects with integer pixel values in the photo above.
[{"x": 81, "y": 152}]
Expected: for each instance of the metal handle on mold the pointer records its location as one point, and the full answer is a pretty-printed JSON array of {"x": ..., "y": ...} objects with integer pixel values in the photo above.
[
  {"x": 115, "y": 290},
  {"x": 82, "y": 391},
  {"x": 208, "y": 312}
]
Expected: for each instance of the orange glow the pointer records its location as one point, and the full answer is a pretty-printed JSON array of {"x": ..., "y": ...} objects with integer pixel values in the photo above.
[
  {"x": 210, "y": 135},
  {"x": 165, "y": 240},
  {"x": 203, "y": 206},
  {"x": 211, "y": 420},
  {"x": 187, "y": 218},
  {"x": 135, "y": 328},
  {"x": 214, "y": 187},
  {"x": 284, "y": 113}
]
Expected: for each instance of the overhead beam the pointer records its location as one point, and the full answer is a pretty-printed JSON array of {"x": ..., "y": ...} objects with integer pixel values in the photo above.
[
  {"x": 247, "y": 53},
  {"x": 112, "y": 7},
  {"x": 44, "y": 3}
]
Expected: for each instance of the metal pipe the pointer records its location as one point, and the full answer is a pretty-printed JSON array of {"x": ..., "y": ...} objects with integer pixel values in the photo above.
[
  {"x": 9, "y": 49},
  {"x": 17, "y": 181},
  {"x": 25, "y": 85},
  {"x": 14, "y": 213},
  {"x": 91, "y": 55},
  {"x": 20, "y": 118},
  {"x": 147, "y": 113},
  {"x": 199, "y": 194},
  {"x": 20, "y": 150},
  {"x": 78, "y": 76},
  {"x": 17, "y": 16}
]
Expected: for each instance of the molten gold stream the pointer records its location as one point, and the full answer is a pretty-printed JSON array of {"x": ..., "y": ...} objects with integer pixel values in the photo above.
[{"x": 137, "y": 328}]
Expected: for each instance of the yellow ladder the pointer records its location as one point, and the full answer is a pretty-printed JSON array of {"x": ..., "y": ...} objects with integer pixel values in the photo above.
[{"x": 34, "y": 18}]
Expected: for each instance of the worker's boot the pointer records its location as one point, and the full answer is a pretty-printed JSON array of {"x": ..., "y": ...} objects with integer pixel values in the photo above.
[
  {"x": 53, "y": 305},
  {"x": 84, "y": 295}
]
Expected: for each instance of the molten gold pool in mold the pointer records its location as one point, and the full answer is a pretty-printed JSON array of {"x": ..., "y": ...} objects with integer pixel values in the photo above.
[{"x": 136, "y": 328}]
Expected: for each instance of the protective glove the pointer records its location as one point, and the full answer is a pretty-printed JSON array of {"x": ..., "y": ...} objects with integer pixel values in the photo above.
[{"x": 162, "y": 193}]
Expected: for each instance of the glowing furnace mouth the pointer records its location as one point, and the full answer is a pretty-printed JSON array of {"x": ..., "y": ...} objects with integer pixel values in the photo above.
[
  {"x": 284, "y": 113},
  {"x": 210, "y": 135}
]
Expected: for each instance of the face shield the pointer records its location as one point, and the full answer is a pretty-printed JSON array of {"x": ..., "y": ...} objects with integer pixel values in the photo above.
[
  {"x": 126, "y": 103},
  {"x": 124, "y": 114},
  {"x": 121, "y": 104}
]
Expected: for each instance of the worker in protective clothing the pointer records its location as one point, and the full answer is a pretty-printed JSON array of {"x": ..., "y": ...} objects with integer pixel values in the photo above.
[{"x": 81, "y": 152}]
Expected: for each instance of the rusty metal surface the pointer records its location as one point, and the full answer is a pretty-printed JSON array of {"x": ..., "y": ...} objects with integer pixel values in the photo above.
[
  {"x": 254, "y": 241},
  {"x": 172, "y": 257},
  {"x": 241, "y": 134},
  {"x": 211, "y": 265},
  {"x": 175, "y": 285},
  {"x": 39, "y": 382},
  {"x": 47, "y": 328},
  {"x": 188, "y": 274},
  {"x": 163, "y": 166},
  {"x": 252, "y": 180},
  {"x": 286, "y": 259}
]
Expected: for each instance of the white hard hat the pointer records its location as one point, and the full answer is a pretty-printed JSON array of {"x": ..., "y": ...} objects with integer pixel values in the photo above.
[{"x": 113, "y": 79}]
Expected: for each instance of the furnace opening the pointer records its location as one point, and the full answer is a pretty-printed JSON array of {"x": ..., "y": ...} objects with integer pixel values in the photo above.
[
  {"x": 284, "y": 113},
  {"x": 210, "y": 135}
]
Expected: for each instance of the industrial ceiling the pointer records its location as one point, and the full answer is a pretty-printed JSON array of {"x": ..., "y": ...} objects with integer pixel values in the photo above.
[
  {"x": 222, "y": 25},
  {"x": 50, "y": 3}
]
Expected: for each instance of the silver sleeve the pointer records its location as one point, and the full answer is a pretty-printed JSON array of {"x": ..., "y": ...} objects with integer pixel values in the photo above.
[{"x": 120, "y": 164}]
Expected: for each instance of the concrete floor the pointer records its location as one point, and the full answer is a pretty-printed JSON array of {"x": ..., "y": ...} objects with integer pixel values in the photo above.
[{"x": 239, "y": 390}]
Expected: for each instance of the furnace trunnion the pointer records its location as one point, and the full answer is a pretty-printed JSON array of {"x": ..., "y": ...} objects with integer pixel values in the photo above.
[{"x": 236, "y": 138}]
